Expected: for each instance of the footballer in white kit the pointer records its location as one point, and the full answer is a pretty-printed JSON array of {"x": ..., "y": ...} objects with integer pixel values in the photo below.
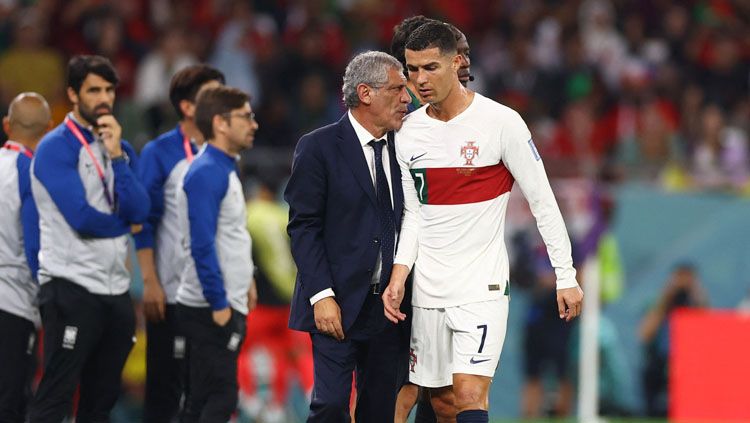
[
  {"x": 460, "y": 156},
  {"x": 457, "y": 176}
]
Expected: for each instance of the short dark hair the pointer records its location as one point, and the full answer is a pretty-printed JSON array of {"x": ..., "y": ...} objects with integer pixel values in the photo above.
[
  {"x": 79, "y": 67},
  {"x": 431, "y": 35},
  {"x": 456, "y": 32},
  {"x": 401, "y": 33},
  {"x": 216, "y": 101},
  {"x": 187, "y": 82}
]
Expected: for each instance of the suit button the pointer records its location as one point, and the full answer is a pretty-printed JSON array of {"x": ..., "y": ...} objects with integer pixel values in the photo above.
[{"x": 376, "y": 240}]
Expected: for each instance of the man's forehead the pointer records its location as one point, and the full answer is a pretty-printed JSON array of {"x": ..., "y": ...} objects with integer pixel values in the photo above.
[
  {"x": 93, "y": 79},
  {"x": 395, "y": 77},
  {"x": 422, "y": 57}
]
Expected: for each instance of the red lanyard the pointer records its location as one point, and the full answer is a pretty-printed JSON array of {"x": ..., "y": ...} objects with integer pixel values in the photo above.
[
  {"x": 77, "y": 132},
  {"x": 188, "y": 149},
  {"x": 12, "y": 145}
]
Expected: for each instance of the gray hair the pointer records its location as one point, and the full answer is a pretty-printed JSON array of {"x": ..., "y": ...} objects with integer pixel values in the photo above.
[{"x": 369, "y": 68}]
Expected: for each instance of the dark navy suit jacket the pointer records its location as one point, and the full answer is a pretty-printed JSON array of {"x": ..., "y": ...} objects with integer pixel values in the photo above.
[{"x": 333, "y": 220}]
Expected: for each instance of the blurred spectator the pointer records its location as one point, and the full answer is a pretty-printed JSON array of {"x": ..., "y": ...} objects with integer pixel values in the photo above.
[
  {"x": 720, "y": 160},
  {"x": 233, "y": 50},
  {"x": 603, "y": 44},
  {"x": 683, "y": 289},
  {"x": 156, "y": 69},
  {"x": 28, "y": 65},
  {"x": 654, "y": 144},
  {"x": 154, "y": 74},
  {"x": 313, "y": 106}
]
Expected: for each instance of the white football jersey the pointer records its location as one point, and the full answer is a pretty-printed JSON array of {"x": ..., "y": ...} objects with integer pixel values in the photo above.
[{"x": 457, "y": 177}]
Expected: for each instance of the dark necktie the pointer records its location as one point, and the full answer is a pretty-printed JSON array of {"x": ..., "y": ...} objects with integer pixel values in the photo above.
[{"x": 385, "y": 212}]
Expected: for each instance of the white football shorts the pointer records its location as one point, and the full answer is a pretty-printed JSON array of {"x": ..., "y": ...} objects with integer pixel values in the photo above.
[{"x": 462, "y": 339}]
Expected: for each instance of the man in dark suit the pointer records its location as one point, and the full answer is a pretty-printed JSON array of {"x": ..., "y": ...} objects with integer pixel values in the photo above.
[{"x": 345, "y": 212}]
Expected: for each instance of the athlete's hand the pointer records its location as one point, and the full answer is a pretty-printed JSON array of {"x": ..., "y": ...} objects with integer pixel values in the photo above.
[
  {"x": 393, "y": 295},
  {"x": 154, "y": 301},
  {"x": 110, "y": 132},
  {"x": 221, "y": 317},
  {"x": 252, "y": 297},
  {"x": 135, "y": 228},
  {"x": 569, "y": 302},
  {"x": 328, "y": 318}
]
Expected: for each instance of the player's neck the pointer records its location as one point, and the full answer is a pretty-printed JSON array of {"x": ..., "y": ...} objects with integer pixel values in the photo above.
[
  {"x": 454, "y": 104},
  {"x": 188, "y": 127}
]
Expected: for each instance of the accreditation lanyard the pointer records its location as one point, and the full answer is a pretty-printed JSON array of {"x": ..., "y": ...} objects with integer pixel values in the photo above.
[
  {"x": 12, "y": 145},
  {"x": 77, "y": 132},
  {"x": 188, "y": 150}
]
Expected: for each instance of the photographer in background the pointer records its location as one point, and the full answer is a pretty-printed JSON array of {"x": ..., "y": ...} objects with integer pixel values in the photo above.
[{"x": 682, "y": 290}]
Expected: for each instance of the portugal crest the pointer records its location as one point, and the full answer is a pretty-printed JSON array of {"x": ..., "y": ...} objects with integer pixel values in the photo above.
[{"x": 469, "y": 152}]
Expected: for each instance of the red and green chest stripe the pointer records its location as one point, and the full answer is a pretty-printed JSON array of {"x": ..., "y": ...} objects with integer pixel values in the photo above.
[{"x": 461, "y": 185}]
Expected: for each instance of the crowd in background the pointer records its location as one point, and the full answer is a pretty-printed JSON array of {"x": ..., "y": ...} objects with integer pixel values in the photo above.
[
  {"x": 653, "y": 91},
  {"x": 613, "y": 90}
]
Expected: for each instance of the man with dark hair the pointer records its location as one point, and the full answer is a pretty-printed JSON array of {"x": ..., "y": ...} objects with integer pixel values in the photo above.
[
  {"x": 459, "y": 158},
  {"x": 401, "y": 33},
  {"x": 163, "y": 163},
  {"x": 345, "y": 207},
  {"x": 27, "y": 121},
  {"x": 216, "y": 290},
  {"x": 88, "y": 197},
  {"x": 409, "y": 393}
]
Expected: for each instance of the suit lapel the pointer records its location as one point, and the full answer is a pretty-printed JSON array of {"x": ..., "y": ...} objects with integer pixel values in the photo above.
[
  {"x": 351, "y": 149},
  {"x": 398, "y": 192}
]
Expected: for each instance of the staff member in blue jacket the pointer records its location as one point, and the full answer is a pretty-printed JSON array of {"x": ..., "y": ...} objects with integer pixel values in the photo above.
[
  {"x": 216, "y": 289},
  {"x": 88, "y": 197},
  {"x": 162, "y": 164},
  {"x": 27, "y": 121}
]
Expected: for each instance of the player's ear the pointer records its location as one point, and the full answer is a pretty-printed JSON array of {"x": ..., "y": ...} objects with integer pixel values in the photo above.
[{"x": 456, "y": 62}]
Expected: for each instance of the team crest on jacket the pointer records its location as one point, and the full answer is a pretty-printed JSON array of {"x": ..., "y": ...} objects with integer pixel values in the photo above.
[{"x": 469, "y": 152}]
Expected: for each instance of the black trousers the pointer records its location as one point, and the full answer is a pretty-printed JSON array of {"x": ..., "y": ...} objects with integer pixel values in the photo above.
[
  {"x": 87, "y": 339},
  {"x": 166, "y": 368},
  {"x": 374, "y": 349},
  {"x": 212, "y": 364},
  {"x": 17, "y": 360}
]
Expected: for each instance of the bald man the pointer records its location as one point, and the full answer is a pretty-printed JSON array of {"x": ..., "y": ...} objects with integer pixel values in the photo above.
[{"x": 27, "y": 121}]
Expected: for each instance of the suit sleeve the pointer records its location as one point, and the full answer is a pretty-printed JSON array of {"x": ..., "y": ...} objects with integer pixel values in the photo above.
[
  {"x": 205, "y": 188},
  {"x": 56, "y": 168},
  {"x": 132, "y": 200},
  {"x": 29, "y": 215},
  {"x": 306, "y": 194},
  {"x": 522, "y": 159},
  {"x": 152, "y": 177},
  {"x": 408, "y": 242}
]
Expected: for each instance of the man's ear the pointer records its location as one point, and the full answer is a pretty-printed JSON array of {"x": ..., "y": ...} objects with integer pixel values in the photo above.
[
  {"x": 219, "y": 124},
  {"x": 187, "y": 108},
  {"x": 364, "y": 92},
  {"x": 456, "y": 62},
  {"x": 72, "y": 95}
]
